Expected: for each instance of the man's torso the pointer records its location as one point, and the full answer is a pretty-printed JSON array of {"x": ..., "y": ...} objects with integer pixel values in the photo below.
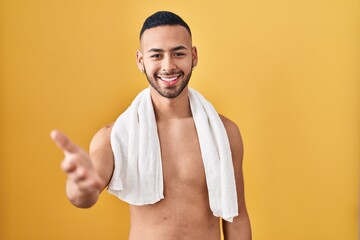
[{"x": 184, "y": 213}]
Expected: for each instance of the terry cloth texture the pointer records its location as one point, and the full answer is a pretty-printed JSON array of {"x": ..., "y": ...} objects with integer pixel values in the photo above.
[{"x": 138, "y": 179}]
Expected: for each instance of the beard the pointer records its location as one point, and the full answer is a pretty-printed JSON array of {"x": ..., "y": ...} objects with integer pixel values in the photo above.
[{"x": 170, "y": 91}]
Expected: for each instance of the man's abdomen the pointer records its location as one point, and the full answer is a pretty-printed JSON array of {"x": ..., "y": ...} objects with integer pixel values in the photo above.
[{"x": 174, "y": 219}]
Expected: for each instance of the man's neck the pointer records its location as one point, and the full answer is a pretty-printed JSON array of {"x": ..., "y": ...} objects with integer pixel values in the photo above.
[{"x": 171, "y": 108}]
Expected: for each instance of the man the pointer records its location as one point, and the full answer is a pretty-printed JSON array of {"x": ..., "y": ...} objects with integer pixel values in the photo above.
[{"x": 167, "y": 58}]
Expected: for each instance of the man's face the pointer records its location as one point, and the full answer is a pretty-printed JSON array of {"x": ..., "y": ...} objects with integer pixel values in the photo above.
[{"x": 167, "y": 58}]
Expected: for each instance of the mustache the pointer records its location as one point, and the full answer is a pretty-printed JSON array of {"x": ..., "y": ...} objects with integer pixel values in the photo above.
[{"x": 168, "y": 73}]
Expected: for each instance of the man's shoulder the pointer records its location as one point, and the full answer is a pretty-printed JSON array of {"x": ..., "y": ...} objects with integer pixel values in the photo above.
[
  {"x": 233, "y": 133},
  {"x": 101, "y": 137},
  {"x": 229, "y": 125},
  {"x": 104, "y": 131}
]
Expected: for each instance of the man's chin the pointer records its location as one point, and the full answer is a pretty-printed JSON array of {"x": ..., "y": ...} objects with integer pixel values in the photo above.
[{"x": 170, "y": 94}]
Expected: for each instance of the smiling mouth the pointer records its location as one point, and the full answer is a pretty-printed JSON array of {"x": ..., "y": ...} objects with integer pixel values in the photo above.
[{"x": 169, "y": 80}]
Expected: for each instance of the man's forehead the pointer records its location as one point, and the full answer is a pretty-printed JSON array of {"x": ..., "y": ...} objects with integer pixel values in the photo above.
[{"x": 165, "y": 36}]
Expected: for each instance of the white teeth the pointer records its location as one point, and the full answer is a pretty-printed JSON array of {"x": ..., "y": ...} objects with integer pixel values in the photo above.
[{"x": 168, "y": 79}]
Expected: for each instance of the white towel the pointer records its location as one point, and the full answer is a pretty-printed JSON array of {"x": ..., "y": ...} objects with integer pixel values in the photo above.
[{"x": 138, "y": 179}]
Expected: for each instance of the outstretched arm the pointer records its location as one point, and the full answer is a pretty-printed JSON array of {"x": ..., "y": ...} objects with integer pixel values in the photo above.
[
  {"x": 87, "y": 174},
  {"x": 240, "y": 228}
]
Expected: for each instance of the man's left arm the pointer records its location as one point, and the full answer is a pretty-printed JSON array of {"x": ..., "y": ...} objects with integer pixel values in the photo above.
[{"x": 240, "y": 228}]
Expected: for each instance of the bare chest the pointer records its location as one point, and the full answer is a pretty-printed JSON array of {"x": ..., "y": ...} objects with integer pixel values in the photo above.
[
  {"x": 184, "y": 213},
  {"x": 181, "y": 156}
]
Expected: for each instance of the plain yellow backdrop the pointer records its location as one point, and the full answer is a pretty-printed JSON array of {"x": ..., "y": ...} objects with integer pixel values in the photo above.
[{"x": 287, "y": 72}]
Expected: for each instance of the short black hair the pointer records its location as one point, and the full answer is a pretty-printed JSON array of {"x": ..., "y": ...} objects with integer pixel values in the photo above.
[{"x": 162, "y": 18}]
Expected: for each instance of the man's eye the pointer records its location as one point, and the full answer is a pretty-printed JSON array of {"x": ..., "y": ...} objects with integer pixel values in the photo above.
[
  {"x": 155, "y": 56},
  {"x": 179, "y": 54}
]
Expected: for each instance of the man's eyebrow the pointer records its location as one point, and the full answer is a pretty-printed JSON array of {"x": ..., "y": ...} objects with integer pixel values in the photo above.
[
  {"x": 181, "y": 47},
  {"x": 156, "y": 50},
  {"x": 178, "y": 48}
]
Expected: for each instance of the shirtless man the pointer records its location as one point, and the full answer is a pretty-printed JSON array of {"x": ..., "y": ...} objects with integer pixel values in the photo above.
[{"x": 167, "y": 57}]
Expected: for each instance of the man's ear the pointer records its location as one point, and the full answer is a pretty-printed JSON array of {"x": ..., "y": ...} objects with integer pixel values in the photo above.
[
  {"x": 194, "y": 57},
  {"x": 140, "y": 61}
]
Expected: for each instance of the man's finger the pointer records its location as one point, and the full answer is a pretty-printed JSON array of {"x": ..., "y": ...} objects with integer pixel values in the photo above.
[
  {"x": 68, "y": 166},
  {"x": 63, "y": 142}
]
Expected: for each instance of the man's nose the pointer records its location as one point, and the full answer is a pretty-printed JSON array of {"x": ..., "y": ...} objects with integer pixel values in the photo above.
[{"x": 168, "y": 64}]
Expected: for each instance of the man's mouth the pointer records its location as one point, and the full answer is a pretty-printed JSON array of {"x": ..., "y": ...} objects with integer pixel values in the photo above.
[{"x": 169, "y": 80}]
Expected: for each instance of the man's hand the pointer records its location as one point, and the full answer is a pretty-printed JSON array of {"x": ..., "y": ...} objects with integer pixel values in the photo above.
[{"x": 84, "y": 184}]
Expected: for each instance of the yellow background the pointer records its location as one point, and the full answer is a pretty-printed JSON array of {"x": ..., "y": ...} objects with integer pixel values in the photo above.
[{"x": 287, "y": 72}]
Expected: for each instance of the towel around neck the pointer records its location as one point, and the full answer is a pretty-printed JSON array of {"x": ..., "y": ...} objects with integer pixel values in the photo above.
[{"x": 138, "y": 179}]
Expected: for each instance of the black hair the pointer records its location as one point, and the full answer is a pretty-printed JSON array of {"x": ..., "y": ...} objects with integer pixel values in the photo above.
[{"x": 162, "y": 18}]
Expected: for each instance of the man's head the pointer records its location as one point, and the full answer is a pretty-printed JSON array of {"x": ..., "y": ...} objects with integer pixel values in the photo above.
[
  {"x": 166, "y": 54},
  {"x": 163, "y": 18}
]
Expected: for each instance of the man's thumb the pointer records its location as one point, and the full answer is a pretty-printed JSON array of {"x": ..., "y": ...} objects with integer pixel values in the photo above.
[{"x": 63, "y": 142}]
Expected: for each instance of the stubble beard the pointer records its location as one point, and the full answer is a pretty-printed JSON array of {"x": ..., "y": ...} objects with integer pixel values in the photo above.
[{"x": 171, "y": 91}]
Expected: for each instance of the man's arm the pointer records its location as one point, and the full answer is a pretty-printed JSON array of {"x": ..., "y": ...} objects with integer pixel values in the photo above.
[
  {"x": 87, "y": 174},
  {"x": 240, "y": 228}
]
